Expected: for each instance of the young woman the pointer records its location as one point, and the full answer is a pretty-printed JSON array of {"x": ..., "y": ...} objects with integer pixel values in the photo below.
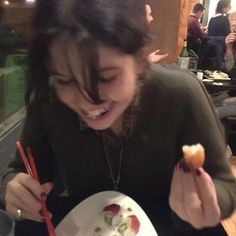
[
  {"x": 100, "y": 118},
  {"x": 219, "y": 23}
]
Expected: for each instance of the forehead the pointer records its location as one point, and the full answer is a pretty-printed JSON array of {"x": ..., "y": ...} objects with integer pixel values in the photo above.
[
  {"x": 232, "y": 17},
  {"x": 65, "y": 55}
]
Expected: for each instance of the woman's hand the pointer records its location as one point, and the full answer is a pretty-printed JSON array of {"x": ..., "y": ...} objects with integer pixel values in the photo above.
[
  {"x": 193, "y": 197},
  {"x": 229, "y": 39},
  {"x": 24, "y": 193},
  {"x": 155, "y": 57}
]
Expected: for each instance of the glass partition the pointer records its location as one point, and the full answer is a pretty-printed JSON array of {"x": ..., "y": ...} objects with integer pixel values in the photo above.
[{"x": 15, "y": 23}]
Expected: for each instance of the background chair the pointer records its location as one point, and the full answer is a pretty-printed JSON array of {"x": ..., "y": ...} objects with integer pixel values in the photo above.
[{"x": 211, "y": 53}]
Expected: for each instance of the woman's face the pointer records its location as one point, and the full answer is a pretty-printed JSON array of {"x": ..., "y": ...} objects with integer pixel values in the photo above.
[
  {"x": 227, "y": 9},
  {"x": 117, "y": 87}
]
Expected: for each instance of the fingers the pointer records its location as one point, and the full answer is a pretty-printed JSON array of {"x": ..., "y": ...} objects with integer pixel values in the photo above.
[
  {"x": 25, "y": 193},
  {"x": 33, "y": 185},
  {"x": 176, "y": 199},
  {"x": 156, "y": 51},
  {"x": 27, "y": 212},
  {"x": 163, "y": 56},
  {"x": 192, "y": 201},
  {"x": 193, "y": 196},
  {"x": 208, "y": 197},
  {"x": 48, "y": 187},
  {"x": 230, "y": 38}
]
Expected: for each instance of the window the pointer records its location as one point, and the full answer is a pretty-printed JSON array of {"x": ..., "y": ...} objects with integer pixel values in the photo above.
[{"x": 15, "y": 17}]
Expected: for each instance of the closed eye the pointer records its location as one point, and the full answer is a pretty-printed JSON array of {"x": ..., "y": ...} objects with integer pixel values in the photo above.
[
  {"x": 107, "y": 80},
  {"x": 61, "y": 80},
  {"x": 65, "y": 82}
]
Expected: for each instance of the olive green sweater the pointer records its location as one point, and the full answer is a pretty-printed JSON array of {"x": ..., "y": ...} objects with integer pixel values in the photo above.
[{"x": 174, "y": 110}]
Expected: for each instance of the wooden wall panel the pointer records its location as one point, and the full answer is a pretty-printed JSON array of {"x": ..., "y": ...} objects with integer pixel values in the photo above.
[
  {"x": 17, "y": 15},
  {"x": 183, "y": 24},
  {"x": 170, "y": 26},
  {"x": 18, "y": 18}
]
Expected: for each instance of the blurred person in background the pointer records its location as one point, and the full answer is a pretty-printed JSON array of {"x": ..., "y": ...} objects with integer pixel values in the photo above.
[
  {"x": 196, "y": 32},
  {"x": 212, "y": 51},
  {"x": 230, "y": 41},
  {"x": 154, "y": 56},
  {"x": 219, "y": 23}
]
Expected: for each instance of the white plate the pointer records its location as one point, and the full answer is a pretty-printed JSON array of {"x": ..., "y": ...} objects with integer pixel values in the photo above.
[
  {"x": 89, "y": 215},
  {"x": 207, "y": 80}
]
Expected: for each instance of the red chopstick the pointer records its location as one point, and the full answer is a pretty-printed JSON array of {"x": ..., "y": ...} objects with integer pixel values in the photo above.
[{"x": 32, "y": 171}]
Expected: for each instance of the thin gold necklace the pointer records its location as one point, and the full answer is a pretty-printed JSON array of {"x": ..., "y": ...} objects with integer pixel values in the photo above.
[{"x": 115, "y": 181}]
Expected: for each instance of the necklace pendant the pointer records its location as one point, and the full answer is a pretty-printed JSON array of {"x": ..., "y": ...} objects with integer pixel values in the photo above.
[{"x": 115, "y": 186}]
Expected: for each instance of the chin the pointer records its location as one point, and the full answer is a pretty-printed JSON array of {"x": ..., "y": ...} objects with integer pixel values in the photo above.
[{"x": 98, "y": 126}]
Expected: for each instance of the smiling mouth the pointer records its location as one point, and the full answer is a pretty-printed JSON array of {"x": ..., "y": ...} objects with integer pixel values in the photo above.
[
  {"x": 98, "y": 113},
  {"x": 94, "y": 114}
]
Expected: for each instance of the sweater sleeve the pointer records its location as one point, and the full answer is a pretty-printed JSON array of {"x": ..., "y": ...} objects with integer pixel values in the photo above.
[
  {"x": 35, "y": 137},
  {"x": 200, "y": 124},
  {"x": 229, "y": 59}
]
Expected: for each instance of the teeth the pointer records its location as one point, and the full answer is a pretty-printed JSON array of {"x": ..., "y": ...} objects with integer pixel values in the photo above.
[{"x": 95, "y": 113}]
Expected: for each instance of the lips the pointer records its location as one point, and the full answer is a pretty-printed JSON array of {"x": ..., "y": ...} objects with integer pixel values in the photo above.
[
  {"x": 93, "y": 114},
  {"x": 97, "y": 113}
]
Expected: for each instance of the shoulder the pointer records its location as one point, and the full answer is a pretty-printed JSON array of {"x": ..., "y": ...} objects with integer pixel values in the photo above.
[{"x": 169, "y": 79}]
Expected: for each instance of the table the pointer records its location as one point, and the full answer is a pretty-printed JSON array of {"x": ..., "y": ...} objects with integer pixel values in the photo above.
[{"x": 217, "y": 86}]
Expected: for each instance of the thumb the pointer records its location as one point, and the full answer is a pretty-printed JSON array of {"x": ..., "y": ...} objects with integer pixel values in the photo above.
[
  {"x": 156, "y": 51},
  {"x": 48, "y": 187}
]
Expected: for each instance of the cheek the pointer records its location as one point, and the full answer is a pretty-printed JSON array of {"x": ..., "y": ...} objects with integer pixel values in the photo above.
[
  {"x": 68, "y": 95},
  {"x": 122, "y": 89}
]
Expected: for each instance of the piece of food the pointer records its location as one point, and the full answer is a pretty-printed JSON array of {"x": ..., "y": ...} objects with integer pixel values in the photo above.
[
  {"x": 194, "y": 155},
  {"x": 112, "y": 214},
  {"x": 117, "y": 222},
  {"x": 134, "y": 224},
  {"x": 130, "y": 226}
]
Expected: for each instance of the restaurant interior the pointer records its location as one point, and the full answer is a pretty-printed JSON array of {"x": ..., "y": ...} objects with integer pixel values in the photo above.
[{"x": 168, "y": 30}]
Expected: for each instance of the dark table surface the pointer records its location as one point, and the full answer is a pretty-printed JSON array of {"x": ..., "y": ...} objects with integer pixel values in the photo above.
[{"x": 219, "y": 85}]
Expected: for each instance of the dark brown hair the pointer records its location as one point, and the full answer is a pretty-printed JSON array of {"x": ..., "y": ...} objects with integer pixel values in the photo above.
[
  {"x": 120, "y": 24},
  {"x": 222, "y": 4}
]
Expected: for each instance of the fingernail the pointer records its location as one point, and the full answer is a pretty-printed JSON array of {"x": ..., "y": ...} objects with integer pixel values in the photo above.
[
  {"x": 41, "y": 212},
  {"x": 185, "y": 167},
  {"x": 43, "y": 196},
  {"x": 197, "y": 172},
  {"x": 181, "y": 163}
]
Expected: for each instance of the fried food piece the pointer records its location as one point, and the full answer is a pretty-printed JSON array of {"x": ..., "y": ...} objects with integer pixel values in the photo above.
[{"x": 194, "y": 155}]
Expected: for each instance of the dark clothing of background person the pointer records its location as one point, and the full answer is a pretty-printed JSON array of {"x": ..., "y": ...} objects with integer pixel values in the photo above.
[
  {"x": 219, "y": 26},
  {"x": 195, "y": 33},
  {"x": 171, "y": 103}
]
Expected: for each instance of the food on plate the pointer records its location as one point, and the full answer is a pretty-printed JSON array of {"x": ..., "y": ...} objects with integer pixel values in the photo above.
[
  {"x": 194, "y": 155},
  {"x": 112, "y": 214},
  {"x": 216, "y": 75},
  {"x": 133, "y": 224},
  {"x": 117, "y": 221}
]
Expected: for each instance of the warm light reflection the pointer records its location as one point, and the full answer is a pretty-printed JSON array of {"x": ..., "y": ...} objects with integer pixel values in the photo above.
[{"x": 6, "y": 2}]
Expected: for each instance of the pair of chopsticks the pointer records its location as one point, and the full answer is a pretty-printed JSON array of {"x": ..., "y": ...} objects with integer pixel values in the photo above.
[{"x": 32, "y": 171}]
